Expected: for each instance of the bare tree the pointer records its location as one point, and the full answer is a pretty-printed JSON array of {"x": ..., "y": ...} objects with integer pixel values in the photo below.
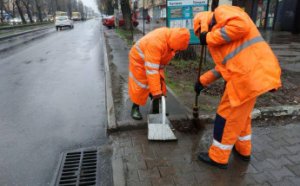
[
  {"x": 18, "y": 4},
  {"x": 38, "y": 5},
  {"x": 126, "y": 11},
  {"x": 1, "y": 11},
  {"x": 106, "y": 6},
  {"x": 27, "y": 4}
]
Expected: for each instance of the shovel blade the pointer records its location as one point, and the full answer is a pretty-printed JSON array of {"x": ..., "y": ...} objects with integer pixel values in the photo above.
[{"x": 162, "y": 132}]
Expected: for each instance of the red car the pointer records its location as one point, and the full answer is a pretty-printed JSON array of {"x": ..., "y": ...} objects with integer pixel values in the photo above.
[{"x": 110, "y": 22}]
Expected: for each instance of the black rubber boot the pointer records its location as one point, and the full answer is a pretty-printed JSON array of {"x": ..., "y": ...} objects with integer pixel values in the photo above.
[
  {"x": 242, "y": 157},
  {"x": 135, "y": 112},
  {"x": 155, "y": 106},
  {"x": 203, "y": 156}
]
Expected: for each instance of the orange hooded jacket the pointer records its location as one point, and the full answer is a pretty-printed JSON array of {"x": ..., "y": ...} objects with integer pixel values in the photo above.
[
  {"x": 242, "y": 57},
  {"x": 147, "y": 59}
]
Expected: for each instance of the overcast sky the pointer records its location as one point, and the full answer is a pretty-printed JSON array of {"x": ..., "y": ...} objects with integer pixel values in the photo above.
[{"x": 92, "y": 4}]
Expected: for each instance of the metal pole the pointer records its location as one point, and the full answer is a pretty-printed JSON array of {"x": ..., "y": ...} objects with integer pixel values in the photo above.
[{"x": 143, "y": 17}]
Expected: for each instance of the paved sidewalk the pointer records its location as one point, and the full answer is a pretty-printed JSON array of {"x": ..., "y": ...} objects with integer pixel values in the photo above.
[{"x": 275, "y": 159}]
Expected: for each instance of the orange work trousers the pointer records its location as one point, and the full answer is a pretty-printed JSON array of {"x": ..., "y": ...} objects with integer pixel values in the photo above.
[{"x": 232, "y": 127}]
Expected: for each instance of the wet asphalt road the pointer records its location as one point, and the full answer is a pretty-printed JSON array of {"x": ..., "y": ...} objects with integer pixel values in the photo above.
[{"x": 52, "y": 96}]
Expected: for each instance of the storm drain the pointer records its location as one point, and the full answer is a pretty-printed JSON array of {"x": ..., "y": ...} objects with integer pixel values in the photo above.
[{"x": 78, "y": 168}]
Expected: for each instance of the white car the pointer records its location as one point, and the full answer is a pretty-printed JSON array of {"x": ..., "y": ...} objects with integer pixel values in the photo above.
[{"x": 63, "y": 21}]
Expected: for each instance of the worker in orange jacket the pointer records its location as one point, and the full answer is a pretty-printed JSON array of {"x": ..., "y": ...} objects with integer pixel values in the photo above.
[
  {"x": 249, "y": 68},
  {"x": 147, "y": 59}
]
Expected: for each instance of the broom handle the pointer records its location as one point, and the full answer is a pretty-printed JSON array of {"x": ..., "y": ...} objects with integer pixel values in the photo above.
[
  {"x": 163, "y": 103},
  {"x": 199, "y": 70}
]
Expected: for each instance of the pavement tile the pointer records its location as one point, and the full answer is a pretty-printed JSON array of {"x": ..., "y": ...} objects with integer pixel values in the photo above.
[
  {"x": 282, "y": 183},
  {"x": 148, "y": 152},
  {"x": 194, "y": 166},
  {"x": 207, "y": 176},
  {"x": 132, "y": 175},
  {"x": 260, "y": 146},
  {"x": 151, "y": 163},
  {"x": 126, "y": 143},
  {"x": 295, "y": 169},
  {"x": 134, "y": 165},
  {"x": 260, "y": 184},
  {"x": 118, "y": 152},
  {"x": 168, "y": 181},
  {"x": 167, "y": 171},
  {"x": 137, "y": 183},
  {"x": 263, "y": 177},
  {"x": 279, "y": 174},
  {"x": 241, "y": 167},
  {"x": 145, "y": 175},
  {"x": 247, "y": 179},
  {"x": 292, "y": 140},
  {"x": 294, "y": 180},
  {"x": 280, "y": 152},
  {"x": 293, "y": 148},
  {"x": 185, "y": 180},
  {"x": 279, "y": 162},
  {"x": 262, "y": 165},
  {"x": 260, "y": 156},
  {"x": 279, "y": 143},
  {"x": 276, "y": 136},
  {"x": 132, "y": 150},
  {"x": 294, "y": 158}
]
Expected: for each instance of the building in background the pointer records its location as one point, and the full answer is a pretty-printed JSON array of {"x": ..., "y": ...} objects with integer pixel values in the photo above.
[{"x": 280, "y": 15}]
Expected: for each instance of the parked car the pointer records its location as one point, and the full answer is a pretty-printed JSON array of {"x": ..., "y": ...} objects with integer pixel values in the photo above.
[
  {"x": 109, "y": 21},
  {"x": 63, "y": 21},
  {"x": 15, "y": 21}
]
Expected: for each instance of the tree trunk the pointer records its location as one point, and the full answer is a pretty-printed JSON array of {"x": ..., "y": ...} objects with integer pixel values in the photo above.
[
  {"x": 39, "y": 10},
  {"x": 296, "y": 29},
  {"x": 69, "y": 7},
  {"x": 14, "y": 8},
  {"x": 126, "y": 11},
  {"x": 214, "y": 4},
  {"x": 20, "y": 11},
  {"x": 1, "y": 11},
  {"x": 26, "y": 4}
]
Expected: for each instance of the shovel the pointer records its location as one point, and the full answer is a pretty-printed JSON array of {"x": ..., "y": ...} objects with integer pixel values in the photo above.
[{"x": 159, "y": 125}]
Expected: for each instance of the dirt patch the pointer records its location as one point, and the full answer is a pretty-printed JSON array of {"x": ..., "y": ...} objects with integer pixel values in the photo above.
[
  {"x": 181, "y": 76},
  {"x": 188, "y": 126}
]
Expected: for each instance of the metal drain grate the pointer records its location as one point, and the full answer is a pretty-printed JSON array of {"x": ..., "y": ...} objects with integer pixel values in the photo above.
[{"x": 78, "y": 168}]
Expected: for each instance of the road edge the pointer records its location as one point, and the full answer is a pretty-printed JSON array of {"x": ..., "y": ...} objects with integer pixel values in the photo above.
[
  {"x": 24, "y": 33},
  {"x": 110, "y": 108},
  {"x": 117, "y": 164}
]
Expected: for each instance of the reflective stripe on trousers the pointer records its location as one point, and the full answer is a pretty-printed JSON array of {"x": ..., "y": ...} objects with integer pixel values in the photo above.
[
  {"x": 144, "y": 86},
  {"x": 245, "y": 138},
  {"x": 221, "y": 146}
]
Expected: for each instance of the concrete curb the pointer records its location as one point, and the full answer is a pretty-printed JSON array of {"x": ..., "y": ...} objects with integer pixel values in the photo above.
[
  {"x": 284, "y": 110},
  {"x": 24, "y": 33},
  {"x": 110, "y": 108},
  {"x": 257, "y": 113},
  {"x": 117, "y": 164}
]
